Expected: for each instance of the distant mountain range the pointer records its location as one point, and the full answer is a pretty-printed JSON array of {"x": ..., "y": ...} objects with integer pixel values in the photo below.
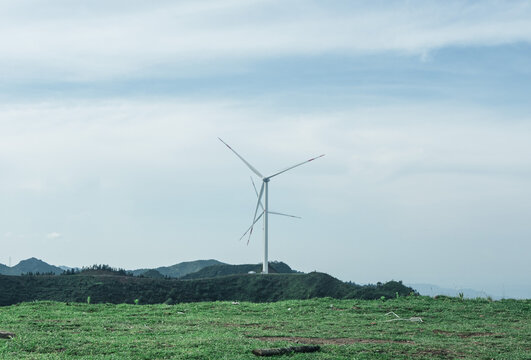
[
  {"x": 199, "y": 269},
  {"x": 31, "y": 265},
  {"x": 34, "y": 265}
]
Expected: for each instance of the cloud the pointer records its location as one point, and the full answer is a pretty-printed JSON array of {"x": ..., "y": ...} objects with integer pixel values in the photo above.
[
  {"x": 139, "y": 38},
  {"x": 53, "y": 235},
  {"x": 110, "y": 142}
]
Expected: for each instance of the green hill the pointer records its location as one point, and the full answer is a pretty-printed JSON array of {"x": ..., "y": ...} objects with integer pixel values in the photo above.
[
  {"x": 244, "y": 287},
  {"x": 181, "y": 269},
  {"x": 227, "y": 269},
  {"x": 154, "y": 274}
]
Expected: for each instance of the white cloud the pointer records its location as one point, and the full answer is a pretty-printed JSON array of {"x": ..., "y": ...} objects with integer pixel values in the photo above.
[
  {"x": 53, "y": 235},
  {"x": 110, "y": 141},
  {"x": 75, "y": 43}
]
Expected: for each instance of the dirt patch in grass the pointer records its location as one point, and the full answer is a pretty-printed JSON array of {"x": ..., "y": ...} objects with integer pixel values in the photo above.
[
  {"x": 464, "y": 334},
  {"x": 242, "y": 325},
  {"x": 434, "y": 352},
  {"x": 258, "y": 326},
  {"x": 472, "y": 334},
  {"x": 443, "y": 332},
  {"x": 330, "y": 341}
]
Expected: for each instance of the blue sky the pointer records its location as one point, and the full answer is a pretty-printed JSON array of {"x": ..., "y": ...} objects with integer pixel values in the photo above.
[{"x": 110, "y": 113}]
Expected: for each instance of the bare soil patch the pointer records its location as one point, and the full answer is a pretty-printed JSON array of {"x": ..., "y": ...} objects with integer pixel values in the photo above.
[
  {"x": 330, "y": 341},
  {"x": 242, "y": 325},
  {"x": 464, "y": 334},
  {"x": 435, "y": 352},
  {"x": 472, "y": 334},
  {"x": 258, "y": 326},
  {"x": 443, "y": 332},
  {"x": 6, "y": 335}
]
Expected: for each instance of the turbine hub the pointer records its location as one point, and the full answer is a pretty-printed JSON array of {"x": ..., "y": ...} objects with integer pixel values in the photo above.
[{"x": 266, "y": 180}]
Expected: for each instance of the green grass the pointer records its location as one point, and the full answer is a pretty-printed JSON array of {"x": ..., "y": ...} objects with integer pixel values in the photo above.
[{"x": 347, "y": 329}]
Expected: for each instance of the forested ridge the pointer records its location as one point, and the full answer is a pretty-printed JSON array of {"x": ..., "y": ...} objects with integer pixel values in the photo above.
[{"x": 113, "y": 287}]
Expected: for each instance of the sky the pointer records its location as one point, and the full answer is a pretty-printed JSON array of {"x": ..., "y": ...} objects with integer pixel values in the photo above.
[{"x": 110, "y": 113}]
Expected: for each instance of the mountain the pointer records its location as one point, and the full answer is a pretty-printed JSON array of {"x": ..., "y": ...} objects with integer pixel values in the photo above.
[
  {"x": 227, "y": 269},
  {"x": 31, "y": 265},
  {"x": 180, "y": 269},
  {"x": 34, "y": 265},
  {"x": 64, "y": 267}
]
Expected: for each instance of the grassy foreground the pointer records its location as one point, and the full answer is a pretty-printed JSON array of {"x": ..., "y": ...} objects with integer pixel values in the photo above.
[{"x": 345, "y": 329}]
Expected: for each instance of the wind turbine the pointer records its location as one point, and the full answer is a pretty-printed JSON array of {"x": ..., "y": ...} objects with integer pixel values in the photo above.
[{"x": 264, "y": 190}]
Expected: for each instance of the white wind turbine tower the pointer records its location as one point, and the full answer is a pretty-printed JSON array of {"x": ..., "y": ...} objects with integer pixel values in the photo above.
[{"x": 264, "y": 190}]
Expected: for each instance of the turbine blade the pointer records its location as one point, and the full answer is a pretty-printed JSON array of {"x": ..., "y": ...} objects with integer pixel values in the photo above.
[
  {"x": 256, "y": 192},
  {"x": 294, "y": 166},
  {"x": 242, "y": 159},
  {"x": 249, "y": 228},
  {"x": 256, "y": 210},
  {"x": 277, "y": 213}
]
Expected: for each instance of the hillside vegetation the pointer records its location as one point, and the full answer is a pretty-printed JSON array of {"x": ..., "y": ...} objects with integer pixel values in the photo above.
[
  {"x": 227, "y": 269},
  {"x": 110, "y": 288},
  {"x": 345, "y": 329},
  {"x": 181, "y": 269}
]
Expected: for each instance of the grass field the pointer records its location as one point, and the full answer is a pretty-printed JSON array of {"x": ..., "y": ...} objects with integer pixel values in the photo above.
[{"x": 345, "y": 329}]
